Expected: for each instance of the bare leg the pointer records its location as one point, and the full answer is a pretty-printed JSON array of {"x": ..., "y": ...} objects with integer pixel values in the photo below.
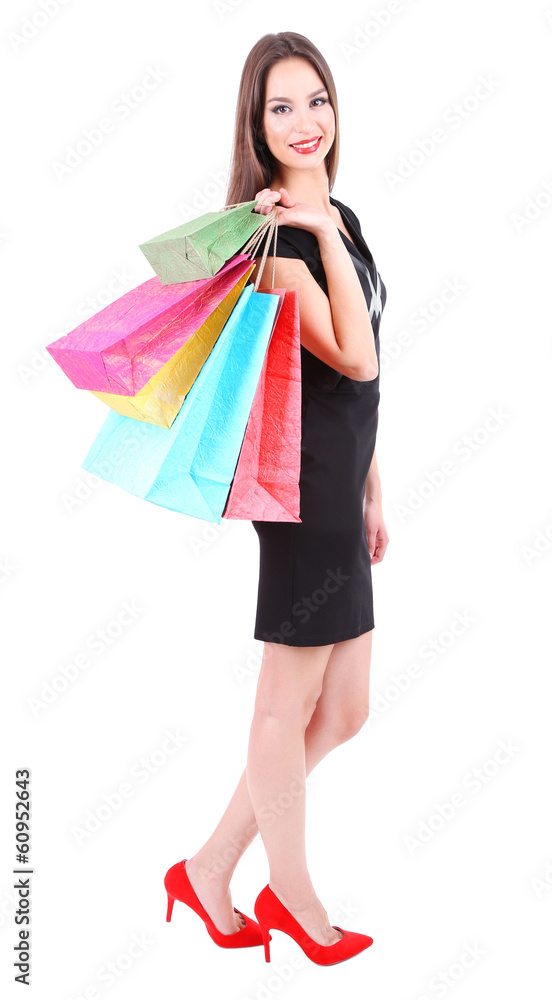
[
  {"x": 290, "y": 684},
  {"x": 341, "y": 711}
]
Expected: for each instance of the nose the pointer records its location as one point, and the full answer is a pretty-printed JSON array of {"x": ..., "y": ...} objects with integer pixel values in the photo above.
[{"x": 304, "y": 122}]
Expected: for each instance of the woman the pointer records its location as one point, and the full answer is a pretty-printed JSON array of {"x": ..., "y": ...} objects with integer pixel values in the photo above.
[{"x": 314, "y": 609}]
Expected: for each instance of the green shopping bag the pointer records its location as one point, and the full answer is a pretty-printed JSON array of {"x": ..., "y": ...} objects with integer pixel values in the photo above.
[{"x": 199, "y": 248}]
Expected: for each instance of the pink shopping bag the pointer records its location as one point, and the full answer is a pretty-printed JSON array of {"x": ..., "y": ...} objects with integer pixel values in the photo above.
[{"x": 124, "y": 345}]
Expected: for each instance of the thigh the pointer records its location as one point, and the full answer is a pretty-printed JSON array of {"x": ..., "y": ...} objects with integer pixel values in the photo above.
[
  {"x": 346, "y": 683},
  {"x": 291, "y": 678}
]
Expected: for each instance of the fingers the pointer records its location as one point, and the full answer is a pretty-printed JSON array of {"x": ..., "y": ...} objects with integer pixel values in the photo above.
[
  {"x": 285, "y": 199},
  {"x": 267, "y": 199}
]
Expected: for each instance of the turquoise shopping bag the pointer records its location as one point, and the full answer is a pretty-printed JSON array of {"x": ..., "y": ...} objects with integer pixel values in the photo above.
[{"x": 189, "y": 467}]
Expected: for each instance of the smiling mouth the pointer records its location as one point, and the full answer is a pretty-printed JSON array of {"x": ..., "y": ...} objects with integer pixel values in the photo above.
[{"x": 308, "y": 146}]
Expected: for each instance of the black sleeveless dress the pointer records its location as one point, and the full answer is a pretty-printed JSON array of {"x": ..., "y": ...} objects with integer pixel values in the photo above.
[{"x": 315, "y": 584}]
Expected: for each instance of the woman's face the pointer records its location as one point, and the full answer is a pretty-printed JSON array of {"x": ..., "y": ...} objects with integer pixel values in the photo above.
[{"x": 297, "y": 108}]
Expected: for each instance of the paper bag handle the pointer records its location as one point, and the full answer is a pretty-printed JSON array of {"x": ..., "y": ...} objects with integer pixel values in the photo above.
[{"x": 268, "y": 226}]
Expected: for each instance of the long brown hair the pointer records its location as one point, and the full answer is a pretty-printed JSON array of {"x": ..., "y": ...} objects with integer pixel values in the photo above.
[{"x": 252, "y": 162}]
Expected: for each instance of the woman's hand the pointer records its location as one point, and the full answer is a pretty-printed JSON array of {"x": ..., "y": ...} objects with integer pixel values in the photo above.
[
  {"x": 292, "y": 213},
  {"x": 376, "y": 532}
]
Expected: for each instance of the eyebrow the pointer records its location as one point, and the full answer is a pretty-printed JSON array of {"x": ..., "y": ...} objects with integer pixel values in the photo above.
[{"x": 314, "y": 93}]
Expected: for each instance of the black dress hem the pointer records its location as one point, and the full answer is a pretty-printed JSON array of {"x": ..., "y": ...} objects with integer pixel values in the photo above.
[{"x": 316, "y": 640}]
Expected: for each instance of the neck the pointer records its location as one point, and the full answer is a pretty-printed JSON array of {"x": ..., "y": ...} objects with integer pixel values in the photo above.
[{"x": 306, "y": 187}]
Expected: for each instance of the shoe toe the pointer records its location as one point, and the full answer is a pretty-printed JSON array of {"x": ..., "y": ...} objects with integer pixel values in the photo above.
[{"x": 356, "y": 938}]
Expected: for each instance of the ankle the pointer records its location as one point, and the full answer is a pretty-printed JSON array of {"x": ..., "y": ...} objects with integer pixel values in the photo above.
[
  {"x": 296, "y": 895},
  {"x": 210, "y": 871}
]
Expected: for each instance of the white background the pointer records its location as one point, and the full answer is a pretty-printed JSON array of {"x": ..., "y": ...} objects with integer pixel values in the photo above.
[{"x": 475, "y": 212}]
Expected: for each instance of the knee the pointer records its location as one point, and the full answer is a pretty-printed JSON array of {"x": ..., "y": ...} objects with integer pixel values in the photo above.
[
  {"x": 296, "y": 712},
  {"x": 349, "y": 722}
]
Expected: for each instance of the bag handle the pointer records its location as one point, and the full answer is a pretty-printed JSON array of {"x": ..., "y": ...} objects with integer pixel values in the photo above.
[{"x": 268, "y": 227}]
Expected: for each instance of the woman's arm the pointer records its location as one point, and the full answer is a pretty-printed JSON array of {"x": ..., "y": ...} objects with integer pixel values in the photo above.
[
  {"x": 336, "y": 327},
  {"x": 376, "y": 532},
  {"x": 350, "y": 316},
  {"x": 372, "y": 493}
]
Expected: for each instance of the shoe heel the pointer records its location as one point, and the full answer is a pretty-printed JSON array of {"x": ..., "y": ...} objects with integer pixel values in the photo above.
[
  {"x": 170, "y": 904},
  {"x": 266, "y": 942}
]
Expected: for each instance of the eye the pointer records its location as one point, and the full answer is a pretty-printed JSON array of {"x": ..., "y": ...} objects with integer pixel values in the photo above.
[{"x": 324, "y": 100}]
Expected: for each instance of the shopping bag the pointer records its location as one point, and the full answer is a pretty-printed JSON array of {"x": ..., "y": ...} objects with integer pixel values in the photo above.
[
  {"x": 199, "y": 248},
  {"x": 189, "y": 467},
  {"x": 159, "y": 401},
  {"x": 266, "y": 481},
  {"x": 120, "y": 348}
]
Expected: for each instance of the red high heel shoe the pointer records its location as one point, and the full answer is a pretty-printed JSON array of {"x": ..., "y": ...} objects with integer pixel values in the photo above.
[
  {"x": 179, "y": 887},
  {"x": 271, "y": 913}
]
